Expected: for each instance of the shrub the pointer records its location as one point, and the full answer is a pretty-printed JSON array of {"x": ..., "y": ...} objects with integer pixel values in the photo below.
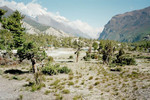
[
  {"x": 91, "y": 77},
  {"x": 71, "y": 57},
  {"x": 47, "y": 92},
  {"x": 96, "y": 83},
  {"x": 64, "y": 70},
  {"x": 34, "y": 86},
  {"x": 86, "y": 58},
  {"x": 116, "y": 69},
  {"x": 70, "y": 83},
  {"x": 59, "y": 97},
  {"x": 55, "y": 82},
  {"x": 1, "y": 72},
  {"x": 50, "y": 70},
  {"x": 123, "y": 60},
  {"x": 50, "y": 59},
  {"x": 66, "y": 91},
  {"x": 94, "y": 56},
  {"x": 77, "y": 97},
  {"x": 90, "y": 87},
  {"x": 55, "y": 69}
]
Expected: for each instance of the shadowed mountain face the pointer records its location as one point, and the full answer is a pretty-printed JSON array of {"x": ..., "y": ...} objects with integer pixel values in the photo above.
[{"x": 128, "y": 27}]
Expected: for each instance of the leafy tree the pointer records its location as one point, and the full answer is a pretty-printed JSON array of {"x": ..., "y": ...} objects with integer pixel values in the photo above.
[
  {"x": 122, "y": 59},
  {"x": 5, "y": 40},
  {"x": 100, "y": 47},
  {"x": 14, "y": 24},
  {"x": 2, "y": 12},
  {"x": 107, "y": 53},
  {"x": 95, "y": 46}
]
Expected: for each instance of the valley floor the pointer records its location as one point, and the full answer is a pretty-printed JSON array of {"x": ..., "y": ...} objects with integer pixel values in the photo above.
[{"x": 87, "y": 81}]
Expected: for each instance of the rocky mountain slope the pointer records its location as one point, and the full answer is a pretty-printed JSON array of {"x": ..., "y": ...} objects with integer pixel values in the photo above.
[
  {"x": 33, "y": 27},
  {"x": 49, "y": 21},
  {"x": 128, "y": 27}
]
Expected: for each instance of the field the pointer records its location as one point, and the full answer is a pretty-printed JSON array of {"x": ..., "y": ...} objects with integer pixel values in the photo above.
[{"x": 88, "y": 80}]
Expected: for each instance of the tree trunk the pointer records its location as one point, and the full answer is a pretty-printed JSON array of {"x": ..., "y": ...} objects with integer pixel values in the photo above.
[
  {"x": 77, "y": 58},
  {"x": 34, "y": 65}
]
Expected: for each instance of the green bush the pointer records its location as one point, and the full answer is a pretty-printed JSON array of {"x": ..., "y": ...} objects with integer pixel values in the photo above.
[
  {"x": 50, "y": 59},
  {"x": 66, "y": 91},
  {"x": 86, "y": 58},
  {"x": 94, "y": 56},
  {"x": 71, "y": 57},
  {"x": 50, "y": 70},
  {"x": 54, "y": 69},
  {"x": 123, "y": 60},
  {"x": 64, "y": 70},
  {"x": 116, "y": 69}
]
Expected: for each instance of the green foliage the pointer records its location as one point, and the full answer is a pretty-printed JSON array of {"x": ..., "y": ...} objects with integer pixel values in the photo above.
[
  {"x": 50, "y": 69},
  {"x": 6, "y": 41},
  {"x": 77, "y": 97},
  {"x": 141, "y": 46},
  {"x": 13, "y": 23},
  {"x": 70, "y": 83},
  {"x": 71, "y": 57},
  {"x": 95, "y": 46},
  {"x": 50, "y": 59},
  {"x": 107, "y": 53},
  {"x": 28, "y": 50},
  {"x": 64, "y": 70},
  {"x": 94, "y": 56},
  {"x": 96, "y": 83},
  {"x": 118, "y": 69},
  {"x": 121, "y": 52},
  {"x": 40, "y": 55},
  {"x": 34, "y": 87},
  {"x": 122, "y": 59},
  {"x": 87, "y": 57},
  {"x": 66, "y": 91},
  {"x": 54, "y": 69},
  {"x": 2, "y": 12},
  {"x": 47, "y": 92}
]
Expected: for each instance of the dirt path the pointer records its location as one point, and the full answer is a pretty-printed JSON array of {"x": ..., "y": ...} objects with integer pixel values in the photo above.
[{"x": 9, "y": 89}]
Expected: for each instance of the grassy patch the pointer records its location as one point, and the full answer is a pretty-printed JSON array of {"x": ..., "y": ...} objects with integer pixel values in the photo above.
[
  {"x": 96, "y": 83},
  {"x": 70, "y": 83},
  {"x": 34, "y": 87},
  {"x": 91, "y": 77},
  {"x": 66, "y": 91},
  {"x": 55, "y": 69},
  {"x": 77, "y": 97}
]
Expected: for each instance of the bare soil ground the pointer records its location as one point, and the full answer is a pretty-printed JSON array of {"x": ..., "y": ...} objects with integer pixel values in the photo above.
[{"x": 87, "y": 81}]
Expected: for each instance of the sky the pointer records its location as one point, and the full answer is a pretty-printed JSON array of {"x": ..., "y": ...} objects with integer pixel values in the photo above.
[{"x": 92, "y": 14}]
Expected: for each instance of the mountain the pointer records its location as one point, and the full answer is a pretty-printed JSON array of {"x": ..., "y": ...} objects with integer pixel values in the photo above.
[
  {"x": 33, "y": 27},
  {"x": 49, "y": 21},
  {"x": 128, "y": 27},
  {"x": 44, "y": 22}
]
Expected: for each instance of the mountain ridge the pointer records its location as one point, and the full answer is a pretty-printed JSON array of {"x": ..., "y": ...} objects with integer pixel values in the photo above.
[
  {"x": 33, "y": 27},
  {"x": 128, "y": 27}
]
